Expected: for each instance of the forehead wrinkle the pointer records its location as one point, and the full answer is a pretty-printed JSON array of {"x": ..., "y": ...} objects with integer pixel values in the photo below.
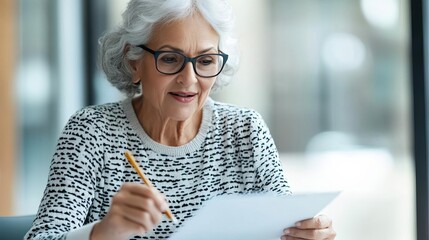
[{"x": 192, "y": 34}]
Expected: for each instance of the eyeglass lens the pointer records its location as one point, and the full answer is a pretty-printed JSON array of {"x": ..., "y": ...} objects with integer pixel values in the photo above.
[{"x": 205, "y": 65}]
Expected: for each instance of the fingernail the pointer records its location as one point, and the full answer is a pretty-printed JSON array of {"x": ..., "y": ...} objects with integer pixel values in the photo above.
[
  {"x": 298, "y": 224},
  {"x": 164, "y": 207},
  {"x": 286, "y": 231}
]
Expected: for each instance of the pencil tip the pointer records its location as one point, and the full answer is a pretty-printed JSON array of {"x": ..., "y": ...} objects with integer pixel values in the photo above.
[{"x": 175, "y": 221}]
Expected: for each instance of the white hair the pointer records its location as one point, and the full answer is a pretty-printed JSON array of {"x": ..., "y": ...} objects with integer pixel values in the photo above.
[{"x": 138, "y": 21}]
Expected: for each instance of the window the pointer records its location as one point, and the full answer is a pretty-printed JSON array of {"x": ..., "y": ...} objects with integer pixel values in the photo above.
[{"x": 49, "y": 88}]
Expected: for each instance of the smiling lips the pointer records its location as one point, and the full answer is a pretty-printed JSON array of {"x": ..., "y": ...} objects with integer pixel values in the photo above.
[{"x": 183, "y": 97}]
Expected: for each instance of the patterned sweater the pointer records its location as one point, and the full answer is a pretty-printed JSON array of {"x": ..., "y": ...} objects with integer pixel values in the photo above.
[{"x": 232, "y": 153}]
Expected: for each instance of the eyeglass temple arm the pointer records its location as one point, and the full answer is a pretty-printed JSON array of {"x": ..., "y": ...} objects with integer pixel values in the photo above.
[{"x": 146, "y": 48}]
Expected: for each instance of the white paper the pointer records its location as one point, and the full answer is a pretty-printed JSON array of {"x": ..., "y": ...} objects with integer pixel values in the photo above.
[{"x": 251, "y": 216}]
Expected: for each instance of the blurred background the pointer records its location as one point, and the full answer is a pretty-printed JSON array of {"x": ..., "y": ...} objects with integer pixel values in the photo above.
[{"x": 331, "y": 78}]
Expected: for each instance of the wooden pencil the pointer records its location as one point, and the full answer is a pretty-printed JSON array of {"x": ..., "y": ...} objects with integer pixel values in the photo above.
[{"x": 129, "y": 156}]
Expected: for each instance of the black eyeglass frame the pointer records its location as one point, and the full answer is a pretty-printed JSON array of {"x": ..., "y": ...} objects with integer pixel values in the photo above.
[{"x": 186, "y": 60}]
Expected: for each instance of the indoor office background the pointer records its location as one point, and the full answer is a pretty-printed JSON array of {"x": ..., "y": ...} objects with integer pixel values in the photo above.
[{"x": 331, "y": 78}]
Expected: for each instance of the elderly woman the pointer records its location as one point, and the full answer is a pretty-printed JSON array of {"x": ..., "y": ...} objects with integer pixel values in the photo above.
[{"x": 167, "y": 57}]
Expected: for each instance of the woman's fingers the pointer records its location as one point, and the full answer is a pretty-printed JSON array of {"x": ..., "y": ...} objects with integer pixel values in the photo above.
[
  {"x": 321, "y": 221},
  {"x": 140, "y": 190},
  {"x": 314, "y": 234},
  {"x": 145, "y": 217},
  {"x": 319, "y": 227},
  {"x": 134, "y": 210},
  {"x": 139, "y": 203}
]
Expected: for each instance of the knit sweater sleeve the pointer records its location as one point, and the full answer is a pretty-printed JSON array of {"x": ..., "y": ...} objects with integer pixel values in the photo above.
[
  {"x": 269, "y": 172},
  {"x": 72, "y": 178}
]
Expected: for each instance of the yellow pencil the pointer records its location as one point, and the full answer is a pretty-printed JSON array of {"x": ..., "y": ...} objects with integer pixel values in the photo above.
[{"x": 133, "y": 162}]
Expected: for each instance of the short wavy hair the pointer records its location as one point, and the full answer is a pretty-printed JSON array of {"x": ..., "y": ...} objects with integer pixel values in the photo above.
[{"x": 137, "y": 24}]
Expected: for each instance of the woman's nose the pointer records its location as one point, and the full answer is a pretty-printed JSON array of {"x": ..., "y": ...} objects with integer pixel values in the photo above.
[{"x": 187, "y": 76}]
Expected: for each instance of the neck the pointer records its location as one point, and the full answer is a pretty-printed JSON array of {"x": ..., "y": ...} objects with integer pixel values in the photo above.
[{"x": 165, "y": 130}]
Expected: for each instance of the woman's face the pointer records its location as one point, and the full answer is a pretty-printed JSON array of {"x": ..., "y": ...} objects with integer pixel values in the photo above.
[{"x": 179, "y": 96}]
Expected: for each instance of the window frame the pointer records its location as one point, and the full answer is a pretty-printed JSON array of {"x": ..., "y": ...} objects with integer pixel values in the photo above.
[{"x": 419, "y": 39}]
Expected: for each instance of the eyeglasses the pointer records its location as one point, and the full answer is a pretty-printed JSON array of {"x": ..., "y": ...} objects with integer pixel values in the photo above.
[{"x": 171, "y": 62}]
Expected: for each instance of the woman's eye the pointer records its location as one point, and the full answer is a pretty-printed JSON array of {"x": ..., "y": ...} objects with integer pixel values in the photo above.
[
  {"x": 206, "y": 61},
  {"x": 169, "y": 59}
]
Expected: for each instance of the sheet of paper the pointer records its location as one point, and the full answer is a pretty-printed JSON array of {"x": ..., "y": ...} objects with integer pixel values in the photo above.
[{"x": 251, "y": 216}]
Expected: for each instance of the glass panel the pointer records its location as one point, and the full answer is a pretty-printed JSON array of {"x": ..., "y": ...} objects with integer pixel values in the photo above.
[
  {"x": 49, "y": 89},
  {"x": 37, "y": 110},
  {"x": 340, "y": 109}
]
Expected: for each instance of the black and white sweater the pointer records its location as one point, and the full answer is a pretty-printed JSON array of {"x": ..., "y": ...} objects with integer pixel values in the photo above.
[{"x": 232, "y": 153}]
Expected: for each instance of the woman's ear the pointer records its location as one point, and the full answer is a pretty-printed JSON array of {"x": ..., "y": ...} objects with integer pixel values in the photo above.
[{"x": 135, "y": 66}]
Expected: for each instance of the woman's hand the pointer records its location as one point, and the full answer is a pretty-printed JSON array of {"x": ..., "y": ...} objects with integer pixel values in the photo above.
[
  {"x": 135, "y": 210},
  {"x": 319, "y": 227}
]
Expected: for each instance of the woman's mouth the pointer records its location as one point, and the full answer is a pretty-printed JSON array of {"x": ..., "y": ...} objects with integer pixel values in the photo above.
[{"x": 183, "y": 97}]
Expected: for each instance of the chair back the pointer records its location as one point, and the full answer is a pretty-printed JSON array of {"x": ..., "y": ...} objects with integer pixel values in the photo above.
[{"x": 15, "y": 227}]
